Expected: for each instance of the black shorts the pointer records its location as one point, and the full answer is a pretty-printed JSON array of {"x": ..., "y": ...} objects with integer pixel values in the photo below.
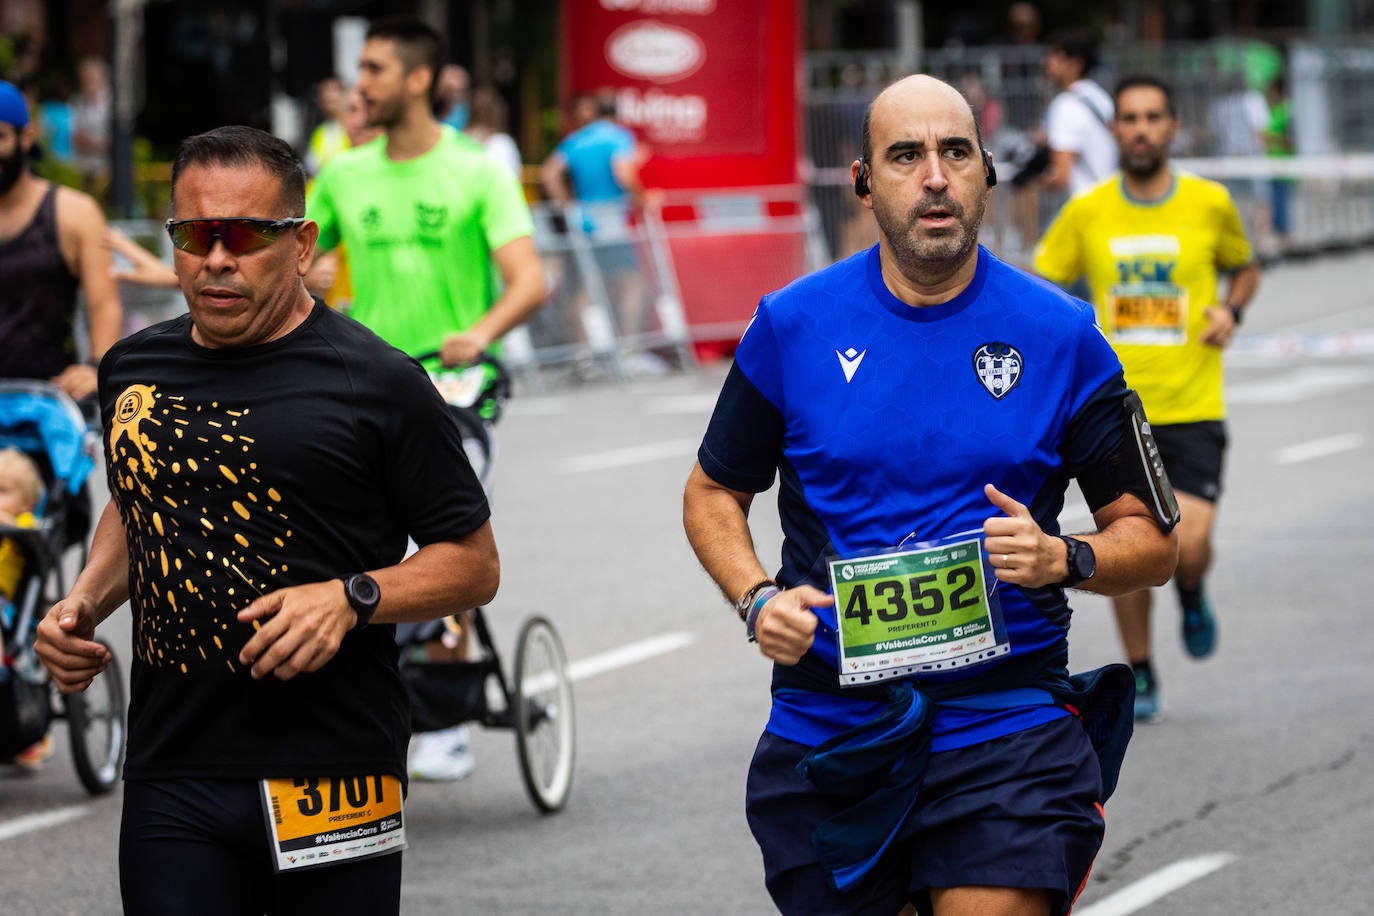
[
  {"x": 1019, "y": 811},
  {"x": 1193, "y": 456},
  {"x": 200, "y": 846}
]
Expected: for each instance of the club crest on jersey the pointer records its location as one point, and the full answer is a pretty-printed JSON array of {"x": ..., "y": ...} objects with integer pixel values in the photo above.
[{"x": 999, "y": 368}]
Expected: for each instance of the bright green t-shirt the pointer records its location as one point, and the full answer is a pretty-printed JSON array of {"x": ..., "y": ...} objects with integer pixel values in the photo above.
[
  {"x": 420, "y": 234},
  {"x": 1153, "y": 266}
]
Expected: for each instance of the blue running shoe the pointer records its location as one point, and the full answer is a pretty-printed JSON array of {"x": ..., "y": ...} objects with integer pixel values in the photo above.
[
  {"x": 1146, "y": 696},
  {"x": 1200, "y": 630}
]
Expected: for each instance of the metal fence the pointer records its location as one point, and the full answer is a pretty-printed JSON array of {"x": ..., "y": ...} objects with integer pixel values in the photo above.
[{"x": 1329, "y": 84}]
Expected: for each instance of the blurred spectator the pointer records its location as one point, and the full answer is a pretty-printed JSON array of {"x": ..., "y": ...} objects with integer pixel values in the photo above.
[
  {"x": 1081, "y": 149},
  {"x": 1023, "y": 24},
  {"x": 354, "y": 120},
  {"x": 1236, "y": 121},
  {"x": 329, "y": 137},
  {"x": 598, "y": 165},
  {"x": 986, "y": 109},
  {"x": 91, "y": 123},
  {"x": 451, "y": 96},
  {"x": 1238, "y": 118},
  {"x": 1278, "y": 143},
  {"x": 56, "y": 122},
  {"x": 52, "y": 248},
  {"x": 487, "y": 124}
]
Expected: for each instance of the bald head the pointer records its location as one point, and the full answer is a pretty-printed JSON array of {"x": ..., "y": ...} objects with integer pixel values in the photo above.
[
  {"x": 926, "y": 178},
  {"x": 913, "y": 99}
]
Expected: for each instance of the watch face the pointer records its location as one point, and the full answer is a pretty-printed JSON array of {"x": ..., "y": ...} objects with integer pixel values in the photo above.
[
  {"x": 1084, "y": 562},
  {"x": 363, "y": 589}
]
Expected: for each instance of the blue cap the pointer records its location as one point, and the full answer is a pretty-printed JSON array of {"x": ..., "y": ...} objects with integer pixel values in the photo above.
[{"x": 13, "y": 109}]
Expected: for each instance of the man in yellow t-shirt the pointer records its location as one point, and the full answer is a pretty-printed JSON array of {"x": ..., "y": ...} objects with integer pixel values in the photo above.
[{"x": 1151, "y": 243}]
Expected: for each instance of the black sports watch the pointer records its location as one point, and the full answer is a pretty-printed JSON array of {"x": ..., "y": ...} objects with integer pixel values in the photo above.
[
  {"x": 363, "y": 595},
  {"x": 1081, "y": 559}
]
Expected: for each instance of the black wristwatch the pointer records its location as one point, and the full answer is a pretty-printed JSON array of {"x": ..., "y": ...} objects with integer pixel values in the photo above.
[
  {"x": 1082, "y": 561},
  {"x": 364, "y": 595}
]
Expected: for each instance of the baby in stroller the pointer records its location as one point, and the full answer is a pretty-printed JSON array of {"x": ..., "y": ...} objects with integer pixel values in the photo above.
[
  {"x": 45, "y": 458},
  {"x": 21, "y": 492}
]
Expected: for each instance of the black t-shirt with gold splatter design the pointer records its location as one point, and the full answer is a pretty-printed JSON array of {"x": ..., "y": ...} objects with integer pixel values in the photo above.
[{"x": 241, "y": 471}]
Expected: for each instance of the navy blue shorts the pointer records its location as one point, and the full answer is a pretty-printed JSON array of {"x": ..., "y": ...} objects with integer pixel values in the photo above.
[
  {"x": 200, "y": 846},
  {"x": 1019, "y": 811}
]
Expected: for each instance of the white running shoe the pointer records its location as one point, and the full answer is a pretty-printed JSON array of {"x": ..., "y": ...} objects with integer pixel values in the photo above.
[{"x": 441, "y": 756}]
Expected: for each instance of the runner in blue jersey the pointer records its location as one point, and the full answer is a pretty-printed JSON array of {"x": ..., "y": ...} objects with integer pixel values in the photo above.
[{"x": 924, "y": 406}]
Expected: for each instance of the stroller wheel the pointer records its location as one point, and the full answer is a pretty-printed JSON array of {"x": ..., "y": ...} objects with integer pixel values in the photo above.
[
  {"x": 545, "y": 730},
  {"x": 96, "y": 721}
]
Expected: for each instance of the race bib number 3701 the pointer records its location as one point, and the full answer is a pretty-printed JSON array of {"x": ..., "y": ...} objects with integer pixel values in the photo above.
[
  {"x": 909, "y": 612},
  {"x": 320, "y": 821}
]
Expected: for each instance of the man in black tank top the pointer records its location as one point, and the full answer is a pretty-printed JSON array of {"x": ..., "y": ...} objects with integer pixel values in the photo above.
[{"x": 52, "y": 246}]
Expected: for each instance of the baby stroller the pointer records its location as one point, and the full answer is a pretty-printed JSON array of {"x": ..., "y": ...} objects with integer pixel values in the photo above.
[
  {"x": 535, "y": 701},
  {"x": 41, "y": 421}
]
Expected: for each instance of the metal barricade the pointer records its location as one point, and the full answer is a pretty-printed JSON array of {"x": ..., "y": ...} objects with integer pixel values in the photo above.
[
  {"x": 643, "y": 290},
  {"x": 613, "y": 307}
]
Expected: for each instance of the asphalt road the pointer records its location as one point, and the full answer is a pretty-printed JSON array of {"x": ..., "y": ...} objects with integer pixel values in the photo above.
[{"x": 1251, "y": 796}]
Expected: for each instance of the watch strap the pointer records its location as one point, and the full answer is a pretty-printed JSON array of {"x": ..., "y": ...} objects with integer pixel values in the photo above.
[{"x": 1071, "y": 547}]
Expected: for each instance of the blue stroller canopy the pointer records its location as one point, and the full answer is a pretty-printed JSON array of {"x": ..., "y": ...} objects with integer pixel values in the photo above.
[{"x": 36, "y": 417}]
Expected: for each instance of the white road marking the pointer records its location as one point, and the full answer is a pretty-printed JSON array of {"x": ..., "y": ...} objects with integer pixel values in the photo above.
[
  {"x": 31, "y": 822},
  {"x": 1300, "y": 385},
  {"x": 1137, "y": 896},
  {"x": 624, "y": 457},
  {"x": 630, "y": 654},
  {"x": 1318, "y": 448},
  {"x": 622, "y": 657}
]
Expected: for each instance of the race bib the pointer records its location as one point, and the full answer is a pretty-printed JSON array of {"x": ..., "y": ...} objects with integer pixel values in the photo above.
[
  {"x": 915, "y": 611},
  {"x": 1150, "y": 314},
  {"x": 321, "y": 821}
]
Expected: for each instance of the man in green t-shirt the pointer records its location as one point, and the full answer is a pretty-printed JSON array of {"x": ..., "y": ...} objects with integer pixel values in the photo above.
[
  {"x": 426, "y": 213},
  {"x": 441, "y": 251}
]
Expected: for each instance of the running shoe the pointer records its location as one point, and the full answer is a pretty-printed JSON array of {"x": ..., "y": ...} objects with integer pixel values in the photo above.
[
  {"x": 1146, "y": 696},
  {"x": 441, "y": 756},
  {"x": 32, "y": 757},
  {"x": 1200, "y": 630}
]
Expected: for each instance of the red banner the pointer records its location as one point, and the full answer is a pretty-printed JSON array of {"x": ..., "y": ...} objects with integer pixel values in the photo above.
[{"x": 710, "y": 86}]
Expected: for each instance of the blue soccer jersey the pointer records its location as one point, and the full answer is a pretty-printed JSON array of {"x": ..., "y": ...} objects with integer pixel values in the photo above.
[{"x": 884, "y": 421}]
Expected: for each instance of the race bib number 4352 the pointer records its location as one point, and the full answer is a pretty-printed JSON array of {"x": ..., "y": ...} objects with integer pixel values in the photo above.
[
  {"x": 320, "y": 821},
  {"x": 909, "y": 612}
]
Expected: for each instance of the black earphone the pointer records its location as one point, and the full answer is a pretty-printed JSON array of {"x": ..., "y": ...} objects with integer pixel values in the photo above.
[
  {"x": 861, "y": 179},
  {"x": 988, "y": 169},
  {"x": 861, "y": 176}
]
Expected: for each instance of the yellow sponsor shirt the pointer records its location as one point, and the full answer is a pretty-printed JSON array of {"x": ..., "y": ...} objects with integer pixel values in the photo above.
[{"x": 1153, "y": 266}]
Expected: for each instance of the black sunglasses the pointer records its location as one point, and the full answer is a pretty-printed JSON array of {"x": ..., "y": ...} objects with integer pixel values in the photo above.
[{"x": 240, "y": 234}]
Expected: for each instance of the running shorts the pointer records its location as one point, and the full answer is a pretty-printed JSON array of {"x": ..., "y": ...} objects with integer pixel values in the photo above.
[
  {"x": 200, "y": 846},
  {"x": 1018, "y": 811},
  {"x": 1193, "y": 456}
]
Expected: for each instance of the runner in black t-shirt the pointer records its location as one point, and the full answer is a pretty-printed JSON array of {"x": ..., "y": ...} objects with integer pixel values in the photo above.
[{"x": 267, "y": 459}]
